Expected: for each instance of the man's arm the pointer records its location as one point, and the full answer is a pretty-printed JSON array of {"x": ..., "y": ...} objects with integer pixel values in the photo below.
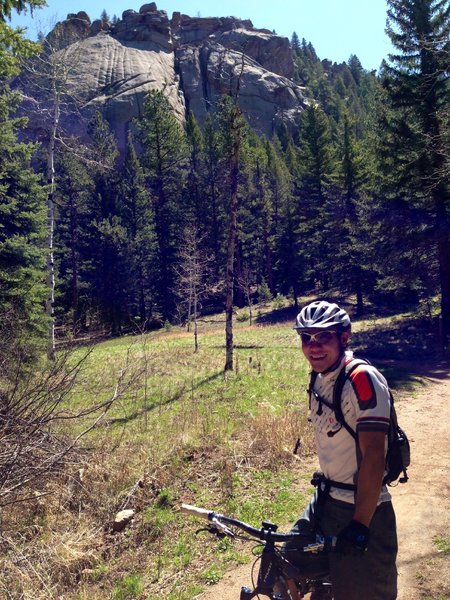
[{"x": 370, "y": 475}]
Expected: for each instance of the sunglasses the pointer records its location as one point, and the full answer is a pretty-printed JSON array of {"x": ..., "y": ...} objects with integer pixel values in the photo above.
[{"x": 321, "y": 337}]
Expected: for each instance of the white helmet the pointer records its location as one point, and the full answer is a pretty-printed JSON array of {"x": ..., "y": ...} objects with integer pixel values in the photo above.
[{"x": 322, "y": 314}]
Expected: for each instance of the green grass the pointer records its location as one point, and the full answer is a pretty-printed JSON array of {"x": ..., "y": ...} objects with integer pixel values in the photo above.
[
  {"x": 191, "y": 433},
  {"x": 442, "y": 544},
  {"x": 130, "y": 587}
]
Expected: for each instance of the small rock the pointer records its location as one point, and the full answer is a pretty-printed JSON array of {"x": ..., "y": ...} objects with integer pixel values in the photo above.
[{"x": 122, "y": 519}]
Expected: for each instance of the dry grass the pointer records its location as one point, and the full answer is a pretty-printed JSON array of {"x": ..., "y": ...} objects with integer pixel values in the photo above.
[{"x": 185, "y": 433}]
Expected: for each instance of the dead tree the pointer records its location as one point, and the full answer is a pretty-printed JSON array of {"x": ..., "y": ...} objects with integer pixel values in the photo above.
[
  {"x": 193, "y": 276},
  {"x": 49, "y": 93}
]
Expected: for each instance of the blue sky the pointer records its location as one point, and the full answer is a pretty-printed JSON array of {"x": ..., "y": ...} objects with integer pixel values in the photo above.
[{"x": 336, "y": 28}]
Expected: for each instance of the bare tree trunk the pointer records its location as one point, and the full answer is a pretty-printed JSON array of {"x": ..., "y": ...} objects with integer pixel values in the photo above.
[
  {"x": 74, "y": 265},
  {"x": 234, "y": 172},
  {"x": 49, "y": 306},
  {"x": 195, "y": 321}
]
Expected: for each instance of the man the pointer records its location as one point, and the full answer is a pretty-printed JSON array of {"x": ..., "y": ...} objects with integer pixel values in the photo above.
[{"x": 351, "y": 501}]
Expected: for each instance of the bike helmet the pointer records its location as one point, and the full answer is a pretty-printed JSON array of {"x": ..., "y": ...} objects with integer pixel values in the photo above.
[{"x": 324, "y": 315}]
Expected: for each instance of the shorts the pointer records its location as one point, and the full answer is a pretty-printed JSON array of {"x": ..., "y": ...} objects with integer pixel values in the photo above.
[{"x": 369, "y": 576}]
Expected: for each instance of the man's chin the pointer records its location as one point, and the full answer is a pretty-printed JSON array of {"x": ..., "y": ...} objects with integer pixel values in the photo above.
[{"x": 319, "y": 364}]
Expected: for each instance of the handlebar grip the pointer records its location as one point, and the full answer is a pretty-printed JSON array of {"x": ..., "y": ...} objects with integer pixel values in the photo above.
[{"x": 198, "y": 512}]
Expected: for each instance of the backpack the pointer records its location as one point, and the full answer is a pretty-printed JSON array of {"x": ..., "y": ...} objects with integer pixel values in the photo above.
[{"x": 398, "y": 456}]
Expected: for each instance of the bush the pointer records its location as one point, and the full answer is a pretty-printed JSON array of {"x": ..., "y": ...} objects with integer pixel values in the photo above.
[
  {"x": 265, "y": 295},
  {"x": 279, "y": 301},
  {"x": 243, "y": 316}
]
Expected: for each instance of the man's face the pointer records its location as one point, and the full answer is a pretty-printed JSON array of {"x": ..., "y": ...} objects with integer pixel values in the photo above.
[{"x": 323, "y": 347}]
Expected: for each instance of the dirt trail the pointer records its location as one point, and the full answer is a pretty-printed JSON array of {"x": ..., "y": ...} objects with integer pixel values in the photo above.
[{"x": 422, "y": 505}]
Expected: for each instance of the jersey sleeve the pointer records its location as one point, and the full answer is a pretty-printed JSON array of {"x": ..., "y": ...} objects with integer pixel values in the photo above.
[{"x": 373, "y": 402}]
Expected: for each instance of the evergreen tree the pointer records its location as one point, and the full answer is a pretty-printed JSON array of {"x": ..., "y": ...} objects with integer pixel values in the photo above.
[
  {"x": 255, "y": 241},
  {"x": 22, "y": 212},
  {"x": 137, "y": 217},
  {"x": 194, "y": 185},
  {"x": 22, "y": 235},
  {"x": 416, "y": 82},
  {"x": 73, "y": 251},
  {"x": 104, "y": 16},
  {"x": 214, "y": 214},
  {"x": 164, "y": 160},
  {"x": 316, "y": 194},
  {"x": 106, "y": 233},
  {"x": 7, "y": 6},
  {"x": 231, "y": 133},
  {"x": 351, "y": 261},
  {"x": 295, "y": 42}
]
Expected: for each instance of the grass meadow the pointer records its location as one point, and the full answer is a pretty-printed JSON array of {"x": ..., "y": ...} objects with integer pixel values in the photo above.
[{"x": 181, "y": 430}]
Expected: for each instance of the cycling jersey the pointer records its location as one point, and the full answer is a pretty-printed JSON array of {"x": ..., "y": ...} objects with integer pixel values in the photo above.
[{"x": 365, "y": 405}]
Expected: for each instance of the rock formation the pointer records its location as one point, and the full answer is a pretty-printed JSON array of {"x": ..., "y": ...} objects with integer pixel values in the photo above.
[{"x": 194, "y": 60}]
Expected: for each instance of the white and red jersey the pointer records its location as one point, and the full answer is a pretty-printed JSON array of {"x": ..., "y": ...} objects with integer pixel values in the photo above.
[{"x": 366, "y": 406}]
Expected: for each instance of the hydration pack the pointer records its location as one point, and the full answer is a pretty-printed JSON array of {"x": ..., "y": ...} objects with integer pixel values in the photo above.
[{"x": 398, "y": 456}]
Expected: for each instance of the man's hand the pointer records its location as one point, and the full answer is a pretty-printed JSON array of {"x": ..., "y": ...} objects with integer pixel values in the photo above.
[{"x": 353, "y": 539}]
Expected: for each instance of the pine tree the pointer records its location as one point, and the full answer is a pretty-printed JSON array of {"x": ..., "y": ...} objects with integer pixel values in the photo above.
[
  {"x": 164, "y": 159},
  {"x": 22, "y": 235},
  {"x": 212, "y": 186},
  {"x": 231, "y": 128},
  {"x": 295, "y": 42},
  {"x": 279, "y": 188},
  {"x": 106, "y": 235},
  {"x": 194, "y": 185},
  {"x": 73, "y": 252},
  {"x": 417, "y": 89},
  {"x": 7, "y": 6},
  {"x": 351, "y": 260},
  {"x": 315, "y": 193},
  {"x": 22, "y": 212},
  {"x": 137, "y": 216}
]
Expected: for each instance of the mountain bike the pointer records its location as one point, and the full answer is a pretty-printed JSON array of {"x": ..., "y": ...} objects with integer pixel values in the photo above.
[{"x": 278, "y": 578}]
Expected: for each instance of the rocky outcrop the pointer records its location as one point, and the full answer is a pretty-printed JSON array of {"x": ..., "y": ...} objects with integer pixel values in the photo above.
[
  {"x": 193, "y": 60},
  {"x": 115, "y": 77},
  {"x": 76, "y": 27},
  {"x": 210, "y": 70}
]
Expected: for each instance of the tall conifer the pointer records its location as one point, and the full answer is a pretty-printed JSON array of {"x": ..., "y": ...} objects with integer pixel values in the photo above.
[
  {"x": 164, "y": 158},
  {"x": 416, "y": 82}
]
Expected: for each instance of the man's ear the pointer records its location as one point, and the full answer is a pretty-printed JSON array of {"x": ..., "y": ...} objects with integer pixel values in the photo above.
[{"x": 345, "y": 337}]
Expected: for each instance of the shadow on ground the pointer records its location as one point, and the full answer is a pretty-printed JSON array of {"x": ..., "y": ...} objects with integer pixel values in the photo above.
[{"x": 408, "y": 350}]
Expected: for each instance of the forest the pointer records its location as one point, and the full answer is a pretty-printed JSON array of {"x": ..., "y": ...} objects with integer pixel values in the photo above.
[
  {"x": 355, "y": 200},
  {"x": 104, "y": 253}
]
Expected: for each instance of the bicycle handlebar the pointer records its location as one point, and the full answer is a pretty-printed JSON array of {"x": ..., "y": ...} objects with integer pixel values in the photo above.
[{"x": 266, "y": 533}]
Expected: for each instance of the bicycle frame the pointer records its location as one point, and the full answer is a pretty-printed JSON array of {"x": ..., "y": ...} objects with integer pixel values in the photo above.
[{"x": 274, "y": 581}]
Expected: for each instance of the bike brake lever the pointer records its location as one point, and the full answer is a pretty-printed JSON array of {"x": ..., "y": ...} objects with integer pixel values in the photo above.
[
  {"x": 211, "y": 529},
  {"x": 223, "y": 528},
  {"x": 217, "y": 531}
]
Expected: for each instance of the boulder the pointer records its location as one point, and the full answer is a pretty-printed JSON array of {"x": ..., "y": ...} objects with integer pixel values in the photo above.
[
  {"x": 74, "y": 28},
  {"x": 148, "y": 8}
]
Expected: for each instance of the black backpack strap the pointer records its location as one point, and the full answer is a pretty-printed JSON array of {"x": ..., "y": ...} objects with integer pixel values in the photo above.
[
  {"x": 312, "y": 381},
  {"x": 312, "y": 392}
]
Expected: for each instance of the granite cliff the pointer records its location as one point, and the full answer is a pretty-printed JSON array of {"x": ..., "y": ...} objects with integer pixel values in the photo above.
[{"x": 194, "y": 60}]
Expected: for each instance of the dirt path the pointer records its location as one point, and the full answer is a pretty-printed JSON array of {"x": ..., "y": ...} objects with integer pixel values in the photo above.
[{"x": 422, "y": 505}]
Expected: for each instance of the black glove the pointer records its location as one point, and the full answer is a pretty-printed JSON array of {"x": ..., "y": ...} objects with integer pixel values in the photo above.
[{"x": 353, "y": 539}]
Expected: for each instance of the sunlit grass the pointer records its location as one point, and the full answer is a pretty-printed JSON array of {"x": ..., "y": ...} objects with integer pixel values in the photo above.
[{"x": 182, "y": 430}]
